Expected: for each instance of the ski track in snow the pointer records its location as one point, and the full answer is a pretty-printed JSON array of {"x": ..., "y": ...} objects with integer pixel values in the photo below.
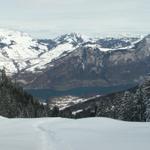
[
  {"x": 42, "y": 135},
  {"x": 49, "y": 139}
]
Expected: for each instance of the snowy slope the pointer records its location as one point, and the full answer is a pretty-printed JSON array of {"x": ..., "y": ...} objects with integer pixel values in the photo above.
[
  {"x": 47, "y": 57},
  {"x": 18, "y": 51},
  {"x": 66, "y": 134}
]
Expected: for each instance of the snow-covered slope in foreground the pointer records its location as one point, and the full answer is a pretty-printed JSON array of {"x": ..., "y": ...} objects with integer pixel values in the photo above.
[{"x": 66, "y": 134}]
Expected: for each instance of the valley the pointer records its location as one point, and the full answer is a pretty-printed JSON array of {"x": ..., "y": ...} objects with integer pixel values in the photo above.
[{"x": 78, "y": 76}]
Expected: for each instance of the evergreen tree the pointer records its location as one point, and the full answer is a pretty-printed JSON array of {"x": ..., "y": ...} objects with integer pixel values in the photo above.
[{"x": 55, "y": 111}]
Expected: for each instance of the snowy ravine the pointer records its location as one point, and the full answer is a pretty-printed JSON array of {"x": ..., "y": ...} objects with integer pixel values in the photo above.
[{"x": 67, "y": 134}]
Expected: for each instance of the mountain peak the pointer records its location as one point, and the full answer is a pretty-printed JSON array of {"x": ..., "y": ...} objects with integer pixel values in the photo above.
[{"x": 73, "y": 38}]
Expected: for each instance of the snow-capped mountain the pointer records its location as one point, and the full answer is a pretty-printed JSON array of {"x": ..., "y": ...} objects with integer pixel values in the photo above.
[
  {"x": 19, "y": 52},
  {"x": 73, "y": 60}
]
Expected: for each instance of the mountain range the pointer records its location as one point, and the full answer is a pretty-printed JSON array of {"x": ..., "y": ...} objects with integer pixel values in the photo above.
[{"x": 74, "y": 60}]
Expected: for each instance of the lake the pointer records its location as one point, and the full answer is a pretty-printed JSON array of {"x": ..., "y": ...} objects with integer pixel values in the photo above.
[{"x": 45, "y": 94}]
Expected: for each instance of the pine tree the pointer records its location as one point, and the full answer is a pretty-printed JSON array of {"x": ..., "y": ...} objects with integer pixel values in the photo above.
[{"x": 55, "y": 111}]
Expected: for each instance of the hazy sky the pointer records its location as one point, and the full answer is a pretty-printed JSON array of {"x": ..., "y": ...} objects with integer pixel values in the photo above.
[{"x": 46, "y": 18}]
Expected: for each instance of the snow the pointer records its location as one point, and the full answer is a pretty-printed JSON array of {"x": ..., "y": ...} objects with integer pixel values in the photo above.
[
  {"x": 67, "y": 134},
  {"x": 67, "y": 101},
  {"x": 47, "y": 57},
  {"x": 76, "y": 112},
  {"x": 93, "y": 45},
  {"x": 18, "y": 50}
]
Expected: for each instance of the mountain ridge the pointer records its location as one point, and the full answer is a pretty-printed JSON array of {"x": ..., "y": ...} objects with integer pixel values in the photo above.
[
  {"x": 73, "y": 60},
  {"x": 17, "y": 45}
]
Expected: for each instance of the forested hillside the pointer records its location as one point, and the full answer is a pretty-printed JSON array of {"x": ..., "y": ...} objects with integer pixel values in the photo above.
[
  {"x": 129, "y": 105},
  {"x": 15, "y": 102}
]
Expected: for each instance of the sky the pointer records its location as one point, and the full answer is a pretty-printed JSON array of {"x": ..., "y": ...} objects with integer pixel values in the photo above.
[{"x": 49, "y": 18}]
